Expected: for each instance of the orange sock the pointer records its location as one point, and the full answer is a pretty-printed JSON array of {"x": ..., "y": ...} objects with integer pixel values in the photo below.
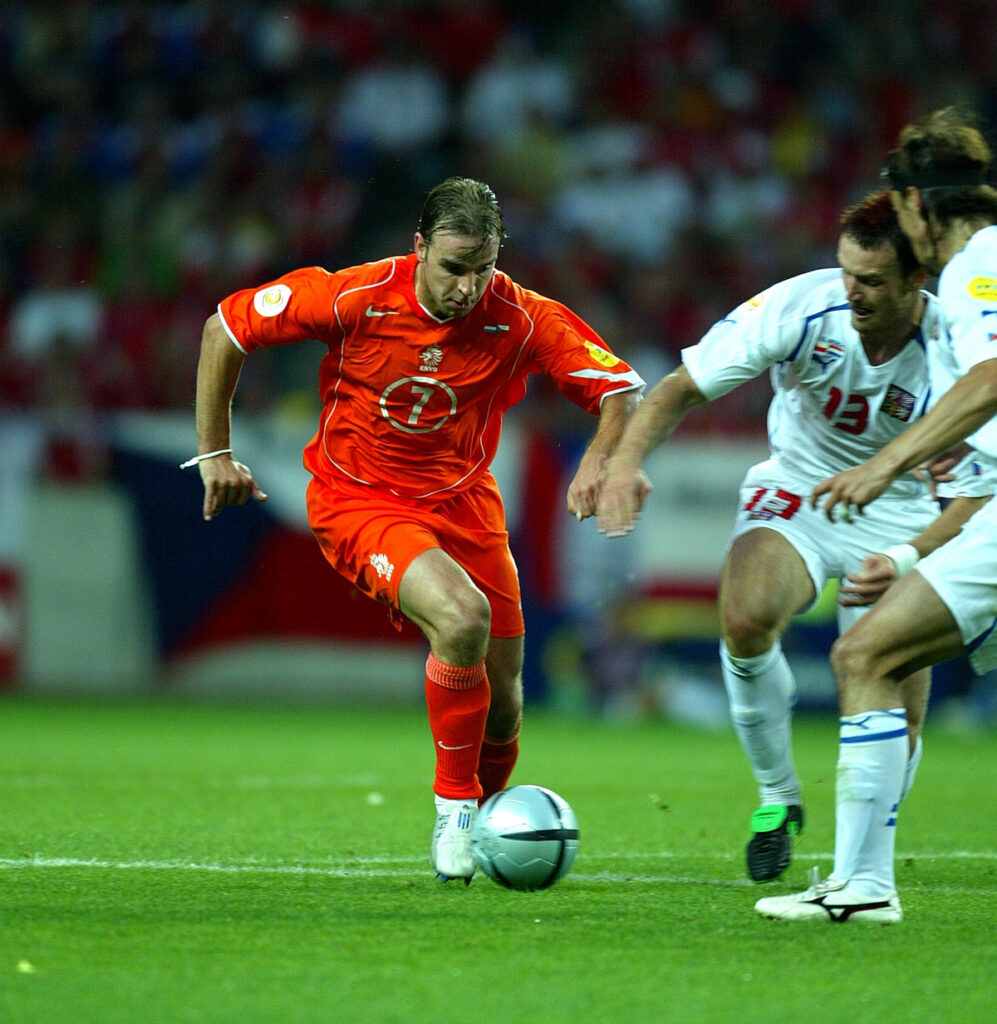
[
  {"x": 498, "y": 758},
  {"x": 457, "y": 699}
]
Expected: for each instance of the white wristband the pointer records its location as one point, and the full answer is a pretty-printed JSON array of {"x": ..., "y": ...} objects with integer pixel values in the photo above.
[
  {"x": 903, "y": 556},
  {"x": 207, "y": 455}
]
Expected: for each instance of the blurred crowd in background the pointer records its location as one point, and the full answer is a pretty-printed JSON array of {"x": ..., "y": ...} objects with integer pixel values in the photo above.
[{"x": 658, "y": 162}]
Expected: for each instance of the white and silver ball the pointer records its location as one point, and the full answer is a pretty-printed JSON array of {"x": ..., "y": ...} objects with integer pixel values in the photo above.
[{"x": 525, "y": 837}]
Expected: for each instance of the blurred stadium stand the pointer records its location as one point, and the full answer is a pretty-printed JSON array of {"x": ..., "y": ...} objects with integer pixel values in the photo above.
[{"x": 658, "y": 161}]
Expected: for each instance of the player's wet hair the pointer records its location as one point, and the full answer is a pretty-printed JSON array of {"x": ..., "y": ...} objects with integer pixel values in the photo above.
[
  {"x": 463, "y": 206},
  {"x": 872, "y": 223},
  {"x": 947, "y": 159}
]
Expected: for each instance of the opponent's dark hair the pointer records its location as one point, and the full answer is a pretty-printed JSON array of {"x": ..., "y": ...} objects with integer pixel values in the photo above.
[
  {"x": 462, "y": 206},
  {"x": 872, "y": 223},
  {"x": 946, "y": 157}
]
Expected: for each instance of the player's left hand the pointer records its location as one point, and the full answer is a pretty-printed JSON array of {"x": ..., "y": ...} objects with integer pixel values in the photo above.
[
  {"x": 581, "y": 502},
  {"x": 583, "y": 491},
  {"x": 867, "y": 585}
]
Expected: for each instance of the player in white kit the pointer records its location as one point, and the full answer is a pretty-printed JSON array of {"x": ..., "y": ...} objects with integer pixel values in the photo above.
[
  {"x": 948, "y": 605},
  {"x": 849, "y": 353}
]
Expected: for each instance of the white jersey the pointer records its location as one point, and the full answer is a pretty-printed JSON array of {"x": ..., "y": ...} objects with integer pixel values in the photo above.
[
  {"x": 977, "y": 474},
  {"x": 832, "y": 409},
  {"x": 967, "y": 289},
  {"x": 962, "y": 572}
]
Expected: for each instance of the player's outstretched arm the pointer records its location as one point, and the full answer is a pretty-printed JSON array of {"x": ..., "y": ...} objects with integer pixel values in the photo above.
[
  {"x": 626, "y": 486},
  {"x": 583, "y": 491},
  {"x": 226, "y": 481}
]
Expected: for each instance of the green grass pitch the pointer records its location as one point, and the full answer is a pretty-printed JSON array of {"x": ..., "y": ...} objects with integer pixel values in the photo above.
[{"x": 165, "y": 862}]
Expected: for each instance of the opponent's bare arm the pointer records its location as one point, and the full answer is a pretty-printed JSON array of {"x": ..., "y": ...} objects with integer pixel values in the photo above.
[
  {"x": 963, "y": 409},
  {"x": 878, "y": 570},
  {"x": 626, "y": 486},
  {"x": 614, "y": 413},
  {"x": 226, "y": 481}
]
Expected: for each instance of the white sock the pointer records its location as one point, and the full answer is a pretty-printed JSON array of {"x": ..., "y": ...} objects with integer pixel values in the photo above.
[
  {"x": 911, "y": 770},
  {"x": 762, "y": 693},
  {"x": 872, "y": 758}
]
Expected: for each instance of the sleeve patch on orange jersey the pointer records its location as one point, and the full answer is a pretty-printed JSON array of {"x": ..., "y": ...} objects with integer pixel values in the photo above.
[
  {"x": 600, "y": 355},
  {"x": 273, "y": 300}
]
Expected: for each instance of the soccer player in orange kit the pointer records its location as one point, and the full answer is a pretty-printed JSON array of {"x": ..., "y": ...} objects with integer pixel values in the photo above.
[{"x": 426, "y": 352}]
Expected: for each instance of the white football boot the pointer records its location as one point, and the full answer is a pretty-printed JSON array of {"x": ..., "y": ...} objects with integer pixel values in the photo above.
[
  {"x": 833, "y": 900},
  {"x": 450, "y": 851}
]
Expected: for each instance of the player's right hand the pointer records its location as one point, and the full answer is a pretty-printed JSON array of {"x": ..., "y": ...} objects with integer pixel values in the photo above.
[
  {"x": 227, "y": 482},
  {"x": 866, "y": 586},
  {"x": 621, "y": 498},
  {"x": 851, "y": 490}
]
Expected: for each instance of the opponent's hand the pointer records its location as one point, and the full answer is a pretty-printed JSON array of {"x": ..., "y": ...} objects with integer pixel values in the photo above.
[
  {"x": 227, "y": 482},
  {"x": 867, "y": 585},
  {"x": 621, "y": 498},
  {"x": 939, "y": 469},
  {"x": 852, "y": 490}
]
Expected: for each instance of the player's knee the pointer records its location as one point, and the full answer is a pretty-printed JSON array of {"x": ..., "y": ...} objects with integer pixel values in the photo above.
[
  {"x": 464, "y": 623},
  {"x": 747, "y": 635},
  {"x": 852, "y": 660}
]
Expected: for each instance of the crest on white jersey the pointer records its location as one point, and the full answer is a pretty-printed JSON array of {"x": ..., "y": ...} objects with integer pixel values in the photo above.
[
  {"x": 826, "y": 352},
  {"x": 898, "y": 403}
]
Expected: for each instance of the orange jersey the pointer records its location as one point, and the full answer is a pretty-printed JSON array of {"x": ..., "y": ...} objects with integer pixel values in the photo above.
[{"x": 411, "y": 403}]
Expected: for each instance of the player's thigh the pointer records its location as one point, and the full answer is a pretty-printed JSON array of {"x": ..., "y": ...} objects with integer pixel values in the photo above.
[
  {"x": 438, "y": 595},
  {"x": 963, "y": 573},
  {"x": 764, "y": 580},
  {"x": 369, "y": 538},
  {"x": 908, "y": 628},
  {"x": 471, "y": 528}
]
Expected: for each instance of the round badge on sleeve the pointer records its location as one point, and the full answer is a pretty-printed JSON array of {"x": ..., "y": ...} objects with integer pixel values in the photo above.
[{"x": 273, "y": 300}]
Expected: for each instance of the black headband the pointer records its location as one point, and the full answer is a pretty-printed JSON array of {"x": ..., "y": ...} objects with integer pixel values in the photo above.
[{"x": 962, "y": 177}]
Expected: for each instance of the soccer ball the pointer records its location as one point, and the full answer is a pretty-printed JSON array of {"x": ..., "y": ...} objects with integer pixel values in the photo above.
[{"x": 525, "y": 837}]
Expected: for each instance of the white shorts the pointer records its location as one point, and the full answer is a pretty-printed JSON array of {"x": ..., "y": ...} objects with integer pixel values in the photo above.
[
  {"x": 963, "y": 573},
  {"x": 829, "y": 550}
]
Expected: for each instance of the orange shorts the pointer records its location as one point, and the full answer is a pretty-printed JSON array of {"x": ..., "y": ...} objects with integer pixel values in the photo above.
[{"x": 371, "y": 538}]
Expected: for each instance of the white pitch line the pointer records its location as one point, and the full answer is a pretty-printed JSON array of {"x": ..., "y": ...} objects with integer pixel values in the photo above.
[
  {"x": 300, "y": 870},
  {"x": 345, "y": 871},
  {"x": 378, "y": 867},
  {"x": 354, "y": 870}
]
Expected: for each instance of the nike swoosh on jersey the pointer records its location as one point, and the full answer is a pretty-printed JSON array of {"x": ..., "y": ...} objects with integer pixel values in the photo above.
[
  {"x": 371, "y": 311},
  {"x": 463, "y": 746}
]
